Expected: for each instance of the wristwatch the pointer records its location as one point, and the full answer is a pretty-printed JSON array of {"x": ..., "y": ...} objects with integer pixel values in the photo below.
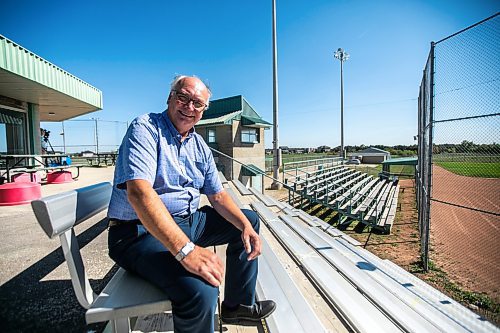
[{"x": 186, "y": 249}]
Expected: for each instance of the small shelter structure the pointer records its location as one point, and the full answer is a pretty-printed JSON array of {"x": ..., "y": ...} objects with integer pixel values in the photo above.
[
  {"x": 372, "y": 155},
  {"x": 232, "y": 126}
]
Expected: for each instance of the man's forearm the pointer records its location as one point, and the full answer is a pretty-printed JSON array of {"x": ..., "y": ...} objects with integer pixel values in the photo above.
[
  {"x": 225, "y": 206},
  {"x": 155, "y": 216}
]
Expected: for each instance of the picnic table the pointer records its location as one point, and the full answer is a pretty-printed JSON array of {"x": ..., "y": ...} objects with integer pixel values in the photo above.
[
  {"x": 11, "y": 163},
  {"x": 104, "y": 158}
]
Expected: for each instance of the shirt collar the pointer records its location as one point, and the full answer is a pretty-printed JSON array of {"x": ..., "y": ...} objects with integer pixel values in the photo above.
[{"x": 173, "y": 131}]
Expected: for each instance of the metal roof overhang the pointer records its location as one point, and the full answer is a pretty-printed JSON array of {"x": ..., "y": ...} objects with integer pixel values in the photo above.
[
  {"x": 225, "y": 119},
  {"x": 254, "y": 122},
  {"x": 402, "y": 161},
  {"x": 29, "y": 78},
  {"x": 251, "y": 170}
]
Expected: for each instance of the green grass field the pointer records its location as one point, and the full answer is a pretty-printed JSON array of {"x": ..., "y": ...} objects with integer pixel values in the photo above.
[
  {"x": 402, "y": 171},
  {"x": 472, "y": 169}
]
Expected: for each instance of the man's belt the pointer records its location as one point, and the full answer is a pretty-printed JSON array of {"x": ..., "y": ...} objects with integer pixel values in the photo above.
[{"x": 116, "y": 222}]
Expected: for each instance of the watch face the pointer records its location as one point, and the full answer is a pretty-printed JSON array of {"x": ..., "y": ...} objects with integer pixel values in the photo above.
[
  {"x": 188, "y": 248},
  {"x": 185, "y": 251}
]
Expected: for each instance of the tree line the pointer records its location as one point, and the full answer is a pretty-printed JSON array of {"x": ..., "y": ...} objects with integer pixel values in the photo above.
[{"x": 465, "y": 146}]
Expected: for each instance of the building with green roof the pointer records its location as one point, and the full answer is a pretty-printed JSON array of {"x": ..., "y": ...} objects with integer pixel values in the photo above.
[
  {"x": 232, "y": 126},
  {"x": 32, "y": 90}
]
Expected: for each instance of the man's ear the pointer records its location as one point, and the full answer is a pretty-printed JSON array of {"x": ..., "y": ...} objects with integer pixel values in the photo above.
[{"x": 169, "y": 97}]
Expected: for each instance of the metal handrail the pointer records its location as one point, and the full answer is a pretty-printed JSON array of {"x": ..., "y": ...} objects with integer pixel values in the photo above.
[{"x": 243, "y": 164}]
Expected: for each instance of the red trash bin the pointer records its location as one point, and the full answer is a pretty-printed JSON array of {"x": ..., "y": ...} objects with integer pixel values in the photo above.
[
  {"x": 59, "y": 177},
  {"x": 19, "y": 193},
  {"x": 26, "y": 177}
]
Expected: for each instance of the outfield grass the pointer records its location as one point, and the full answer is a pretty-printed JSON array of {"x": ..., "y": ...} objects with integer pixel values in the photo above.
[
  {"x": 402, "y": 171},
  {"x": 472, "y": 169}
]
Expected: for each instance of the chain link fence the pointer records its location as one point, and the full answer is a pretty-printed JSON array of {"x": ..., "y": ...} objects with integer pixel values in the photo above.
[
  {"x": 85, "y": 136},
  {"x": 458, "y": 174}
]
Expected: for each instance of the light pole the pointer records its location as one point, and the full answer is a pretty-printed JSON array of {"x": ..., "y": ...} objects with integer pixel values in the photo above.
[
  {"x": 341, "y": 55},
  {"x": 276, "y": 151},
  {"x": 63, "y": 133},
  {"x": 96, "y": 136}
]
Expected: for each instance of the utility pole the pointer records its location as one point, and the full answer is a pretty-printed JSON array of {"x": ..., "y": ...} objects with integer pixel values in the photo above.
[
  {"x": 341, "y": 55},
  {"x": 63, "y": 133},
  {"x": 276, "y": 151},
  {"x": 96, "y": 137}
]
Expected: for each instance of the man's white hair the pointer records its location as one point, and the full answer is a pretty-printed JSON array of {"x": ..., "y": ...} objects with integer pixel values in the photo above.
[{"x": 177, "y": 83}]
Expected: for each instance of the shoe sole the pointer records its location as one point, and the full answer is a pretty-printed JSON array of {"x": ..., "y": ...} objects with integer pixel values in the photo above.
[{"x": 244, "y": 319}]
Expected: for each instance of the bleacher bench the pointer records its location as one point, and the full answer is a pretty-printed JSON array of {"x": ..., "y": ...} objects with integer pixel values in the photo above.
[{"x": 126, "y": 295}]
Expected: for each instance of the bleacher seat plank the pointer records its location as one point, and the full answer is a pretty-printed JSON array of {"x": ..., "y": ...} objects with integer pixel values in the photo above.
[
  {"x": 387, "y": 224},
  {"x": 141, "y": 298},
  {"x": 293, "y": 313},
  {"x": 265, "y": 213},
  {"x": 311, "y": 175},
  {"x": 354, "y": 191},
  {"x": 347, "y": 188},
  {"x": 386, "y": 207},
  {"x": 332, "y": 183},
  {"x": 458, "y": 313},
  {"x": 279, "y": 204},
  {"x": 290, "y": 212},
  {"x": 354, "y": 200},
  {"x": 398, "y": 311},
  {"x": 264, "y": 198},
  {"x": 320, "y": 174},
  {"x": 374, "y": 269},
  {"x": 377, "y": 208},
  {"x": 358, "y": 311},
  {"x": 328, "y": 178},
  {"x": 241, "y": 188},
  {"x": 369, "y": 198},
  {"x": 308, "y": 219},
  {"x": 442, "y": 303}
]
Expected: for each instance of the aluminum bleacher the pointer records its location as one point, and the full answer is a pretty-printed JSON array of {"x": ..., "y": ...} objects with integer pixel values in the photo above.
[
  {"x": 368, "y": 293},
  {"x": 353, "y": 194}
]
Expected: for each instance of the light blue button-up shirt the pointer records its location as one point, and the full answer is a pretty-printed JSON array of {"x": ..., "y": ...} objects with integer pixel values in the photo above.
[{"x": 178, "y": 171}]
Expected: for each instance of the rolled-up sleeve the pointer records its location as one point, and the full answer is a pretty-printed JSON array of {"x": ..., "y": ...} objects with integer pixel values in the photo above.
[
  {"x": 212, "y": 183},
  {"x": 138, "y": 153}
]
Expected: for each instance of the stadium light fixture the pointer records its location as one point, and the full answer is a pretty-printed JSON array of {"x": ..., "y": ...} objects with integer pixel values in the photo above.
[{"x": 341, "y": 55}]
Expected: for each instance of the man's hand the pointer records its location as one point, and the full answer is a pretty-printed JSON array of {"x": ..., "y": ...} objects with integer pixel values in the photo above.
[
  {"x": 206, "y": 264},
  {"x": 251, "y": 241}
]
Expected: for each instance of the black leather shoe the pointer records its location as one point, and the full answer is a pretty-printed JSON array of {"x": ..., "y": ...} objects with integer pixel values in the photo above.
[{"x": 256, "y": 312}]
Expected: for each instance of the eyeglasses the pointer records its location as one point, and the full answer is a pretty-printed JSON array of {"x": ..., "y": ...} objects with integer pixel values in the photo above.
[{"x": 185, "y": 99}]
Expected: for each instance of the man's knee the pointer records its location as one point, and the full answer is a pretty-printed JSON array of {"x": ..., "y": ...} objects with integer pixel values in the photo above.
[
  {"x": 206, "y": 297},
  {"x": 253, "y": 218},
  {"x": 198, "y": 295}
]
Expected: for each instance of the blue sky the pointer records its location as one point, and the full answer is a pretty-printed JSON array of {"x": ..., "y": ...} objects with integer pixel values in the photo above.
[{"x": 131, "y": 50}]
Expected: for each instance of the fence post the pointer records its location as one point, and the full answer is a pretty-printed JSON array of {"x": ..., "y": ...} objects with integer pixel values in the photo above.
[{"x": 429, "y": 175}]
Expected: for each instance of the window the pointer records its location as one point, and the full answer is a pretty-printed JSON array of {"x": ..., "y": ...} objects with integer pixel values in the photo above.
[
  {"x": 12, "y": 132},
  {"x": 249, "y": 135},
  {"x": 211, "y": 135}
]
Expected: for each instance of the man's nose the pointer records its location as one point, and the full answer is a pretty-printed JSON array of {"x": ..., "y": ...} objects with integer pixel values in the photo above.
[{"x": 190, "y": 105}]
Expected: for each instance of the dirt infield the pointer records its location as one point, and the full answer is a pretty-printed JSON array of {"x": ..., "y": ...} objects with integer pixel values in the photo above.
[{"x": 465, "y": 243}]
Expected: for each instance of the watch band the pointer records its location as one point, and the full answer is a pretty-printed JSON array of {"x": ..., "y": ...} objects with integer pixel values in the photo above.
[{"x": 184, "y": 251}]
